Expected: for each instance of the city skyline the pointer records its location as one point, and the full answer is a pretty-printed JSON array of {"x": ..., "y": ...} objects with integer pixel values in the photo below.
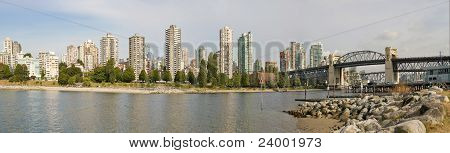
[{"x": 410, "y": 34}]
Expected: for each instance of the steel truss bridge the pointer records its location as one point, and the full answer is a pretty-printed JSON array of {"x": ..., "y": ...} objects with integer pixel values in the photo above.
[{"x": 409, "y": 69}]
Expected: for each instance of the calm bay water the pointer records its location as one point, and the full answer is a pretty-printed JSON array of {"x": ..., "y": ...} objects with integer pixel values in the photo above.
[{"x": 57, "y": 111}]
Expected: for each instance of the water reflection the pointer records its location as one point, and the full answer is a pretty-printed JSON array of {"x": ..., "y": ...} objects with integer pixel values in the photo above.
[{"x": 53, "y": 111}]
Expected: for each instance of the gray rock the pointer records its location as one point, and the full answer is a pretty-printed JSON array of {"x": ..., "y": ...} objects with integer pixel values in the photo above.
[
  {"x": 436, "y": 89},
  {"x": 350, "y": 129},
  {"x": 443, "y": 99},
  {"x": 345, "y": 115},
  {"x": 370, "y": 125},
  {"x": 427, "y": 120},
  {"x": 436, "y": 114},
  {"x": 413, "y": 126},
  {"x": 413, "y": 111}
]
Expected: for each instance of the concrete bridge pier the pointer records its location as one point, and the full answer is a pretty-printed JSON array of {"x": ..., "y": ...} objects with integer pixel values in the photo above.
[
  {"x": 392, "y": 77},
  {"x": 335, "y": 75}
]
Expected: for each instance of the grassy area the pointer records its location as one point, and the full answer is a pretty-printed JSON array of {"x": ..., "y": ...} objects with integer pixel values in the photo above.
[{"x": 446, "y": 127}]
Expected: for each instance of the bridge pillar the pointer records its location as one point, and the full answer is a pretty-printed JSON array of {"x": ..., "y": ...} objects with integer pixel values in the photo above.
[
  {"x": 335, "y": 75},
  {"x": 391, "y": 76}
]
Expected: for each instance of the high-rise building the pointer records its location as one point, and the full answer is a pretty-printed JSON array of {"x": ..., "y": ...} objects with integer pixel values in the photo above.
[
  {"x": 284, "y": 60},
  {"x": 88, "y": 54},
  {"x": 109, "y": 49},
  {"x": 11, "y": 48},
  {"x": 71, "y": 55},
  {"x": 225, "y": 59},
  {"x": 245, "y": 52},
  {"x": 200, "y": 55},
  {"x": 315, "y": 54},
  {"x": 8, "y": 45},
  {"x": 184, "y": 58},
  {"x": 257, "y": 66},
  {"x": 297, "y": 58},
  {"x": 49, "y": 63},
  {"x": 173, "y": 50},
  {"x": 137, "y": 54}
]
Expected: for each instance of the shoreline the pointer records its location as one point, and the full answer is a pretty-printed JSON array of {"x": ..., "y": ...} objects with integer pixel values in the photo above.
[
  {"x": 417, "y": 112},
  {"x": 151, "y": 90}
]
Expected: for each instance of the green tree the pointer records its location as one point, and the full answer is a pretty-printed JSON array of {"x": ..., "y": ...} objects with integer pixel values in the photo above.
[
  {"x": 143, "y": 76},
  {"x": 202, "y": 76},
  {"x": 295, "y": 82},
  {"x": 178, "y": 77},
  {"x": 110, "y": 74},
  {"x": 236, "y": 80},
  {"x": 166, "y": 76},
  {"x": 20, "y": 74},
  {"x": 212, "y": 67},
  {"x": 43, "y": 74},
  {"x": 128, "y": 75},
  {"x": 28, "y": 55},
  {"x": 244, "y": 80},
  {"x": 191, "y": 77},
  {"x": 282, "y": 81},
  {"x": 5, "y": 71},
  {"x": 223, "y": 79},
  {"x": 155, "y": 76},
  {"x": 63, "y": 79},
  {"x": 99, "y": 75},
  {"x": 72, "y": 80},
  {"x": 118, "y": 74},
  {"x": 254, "y": 80}
]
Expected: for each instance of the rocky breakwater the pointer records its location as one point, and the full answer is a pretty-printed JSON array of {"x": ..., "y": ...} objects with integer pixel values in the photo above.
[{"x": 410, "y": 113}]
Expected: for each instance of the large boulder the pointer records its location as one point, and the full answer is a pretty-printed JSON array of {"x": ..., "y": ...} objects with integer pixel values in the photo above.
[
  {"x": 436, "y": 114},
  {"x": 350, "y": 129},
  {"x": 427, "y": 120},
  {"x": 436, "y": 89},
  {"x": 369, "y": 125},
  {"x": 443, "y": 99},
  {"x": 413, "y": 126},
  {"x": 412, "y": 111},
  {"x": 345, "y": 115}
]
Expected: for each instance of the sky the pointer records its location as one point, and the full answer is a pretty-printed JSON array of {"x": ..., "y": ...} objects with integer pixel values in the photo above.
[{"x": 52, "y": 25}]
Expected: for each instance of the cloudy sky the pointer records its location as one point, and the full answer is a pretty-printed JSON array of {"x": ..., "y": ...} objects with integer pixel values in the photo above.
[{"x": 422, "y": 33}]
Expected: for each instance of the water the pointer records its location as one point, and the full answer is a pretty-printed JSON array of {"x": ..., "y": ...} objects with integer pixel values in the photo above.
[{"x": 58, "y": 111}]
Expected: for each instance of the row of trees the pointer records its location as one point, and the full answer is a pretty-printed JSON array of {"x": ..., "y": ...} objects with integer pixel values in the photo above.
[{"x": 20, "y": 73}]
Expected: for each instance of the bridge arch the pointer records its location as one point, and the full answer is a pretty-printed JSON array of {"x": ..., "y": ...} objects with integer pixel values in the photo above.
[{"x": 361, "y": 56}]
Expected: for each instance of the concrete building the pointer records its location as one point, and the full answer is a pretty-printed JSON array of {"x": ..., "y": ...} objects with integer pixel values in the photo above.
[
  {"x": 71, "y": 55},
  {"x": 49, "y": 63},
  {"x": 315, "y": 54},
  {"x": 4, "y": 58},
  {"x": 200, "y": 55},
  {"x": 109, "y": 49},
  {"x": 184, "y": 58},
  {"x": 245, "y": 53},
  {"x": 225, "y": 59},
  {"x": 297, "y": 58},
  {"x": 90, "y": 55},
  {"x": 11, "y": 48},
  {"x": 257, "y": 66},
  {"x": 284, "y": 60},
  {"x": 137, "y": 55},
  {"x": 271, "y": 67},
  {"x": 173, "y": 50},
  {"x": 32, "y": 64}
]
